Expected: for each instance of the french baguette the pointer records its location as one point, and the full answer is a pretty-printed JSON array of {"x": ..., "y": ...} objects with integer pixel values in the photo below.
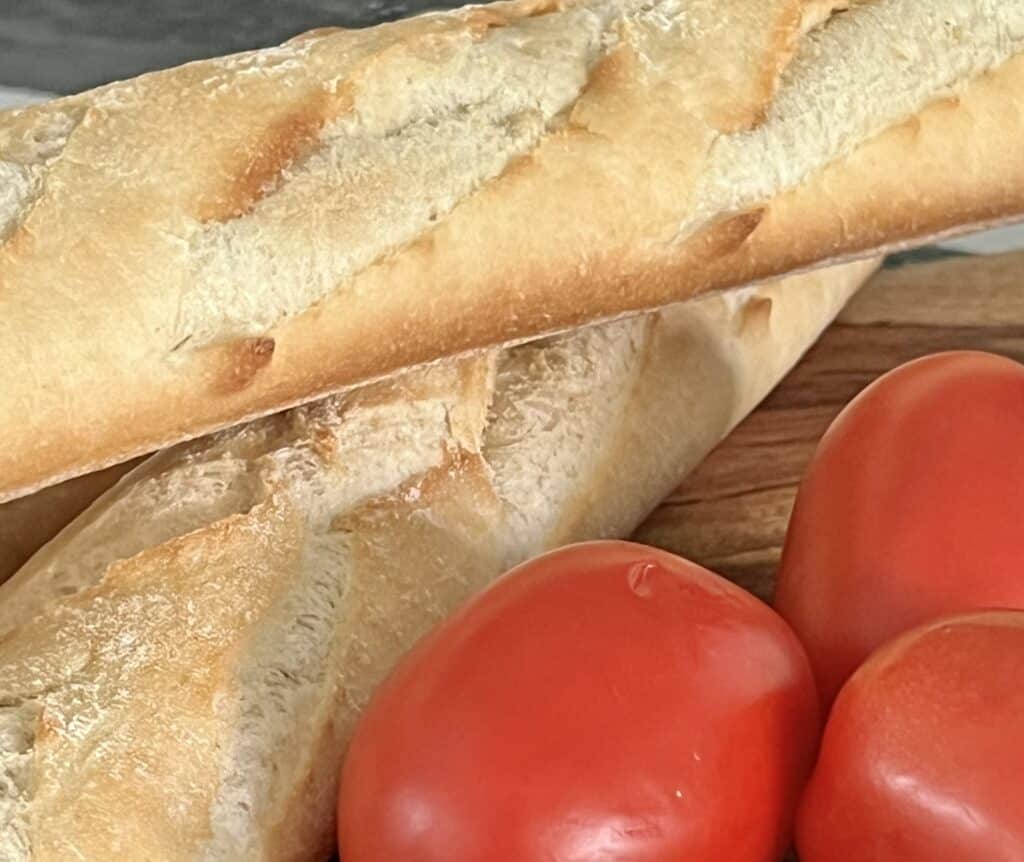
[
  {"x": 181, "y": 667},
  {"x": 197, "y": 246}
]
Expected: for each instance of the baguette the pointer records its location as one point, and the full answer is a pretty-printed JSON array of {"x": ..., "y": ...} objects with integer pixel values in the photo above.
[
  {"x": 219, "y": 241},
  {"x": 180, "y": 669}
]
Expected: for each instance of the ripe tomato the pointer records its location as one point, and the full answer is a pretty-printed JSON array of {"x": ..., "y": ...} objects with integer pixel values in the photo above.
[
  {"x": 911, "y": 509},
  {"x": 923, "y": 757},
  {"x": 604, "y": 702}
]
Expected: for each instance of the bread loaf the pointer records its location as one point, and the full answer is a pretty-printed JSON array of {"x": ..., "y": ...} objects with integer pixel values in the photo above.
[
  {"x": 180, "y": 669},
  {"x": 221, "y": 240}
]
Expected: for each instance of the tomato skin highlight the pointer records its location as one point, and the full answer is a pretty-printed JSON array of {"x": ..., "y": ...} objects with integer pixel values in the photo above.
[
  {"x": 606, "y": 701},
  {"x": 923, "y": 754},
  {"x": 911, "y": 509}
]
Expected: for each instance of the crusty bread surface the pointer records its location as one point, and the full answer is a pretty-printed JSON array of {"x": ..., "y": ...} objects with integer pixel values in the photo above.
[
  {"x": 180, "y": 669},
  {"x": 197, "y": 246}
]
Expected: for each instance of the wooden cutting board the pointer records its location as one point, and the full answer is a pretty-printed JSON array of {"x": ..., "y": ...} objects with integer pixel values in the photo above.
[{"x": 731, "y": 514}]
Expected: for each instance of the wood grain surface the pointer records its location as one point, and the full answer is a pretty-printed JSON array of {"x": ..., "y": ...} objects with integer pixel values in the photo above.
[{"x": 731, "y": 514}]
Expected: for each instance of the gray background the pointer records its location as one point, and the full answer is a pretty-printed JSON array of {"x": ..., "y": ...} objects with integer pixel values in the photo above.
[{"x": 63, "y": 46}]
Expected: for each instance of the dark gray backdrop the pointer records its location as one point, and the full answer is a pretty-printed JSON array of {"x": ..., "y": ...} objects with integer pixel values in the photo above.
[{"x": 70, "y": 45}]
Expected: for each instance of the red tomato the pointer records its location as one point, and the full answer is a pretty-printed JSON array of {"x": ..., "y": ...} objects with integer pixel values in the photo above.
[
  {"x": 913, "y": 508},
  {"x": 923, "y": 757},
  {"x": 604, "y": 702}
]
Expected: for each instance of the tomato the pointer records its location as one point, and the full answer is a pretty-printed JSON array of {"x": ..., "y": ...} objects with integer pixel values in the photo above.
[
  {"x": 604, "y": 702},
  {"x": 923, "y": 756},
  {"x": 912, "y": 508}
]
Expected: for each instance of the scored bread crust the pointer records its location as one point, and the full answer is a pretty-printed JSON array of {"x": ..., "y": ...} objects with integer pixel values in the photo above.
[
  {"x": 207, "y": 244},
  {"x": 180, "y": 669}
]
